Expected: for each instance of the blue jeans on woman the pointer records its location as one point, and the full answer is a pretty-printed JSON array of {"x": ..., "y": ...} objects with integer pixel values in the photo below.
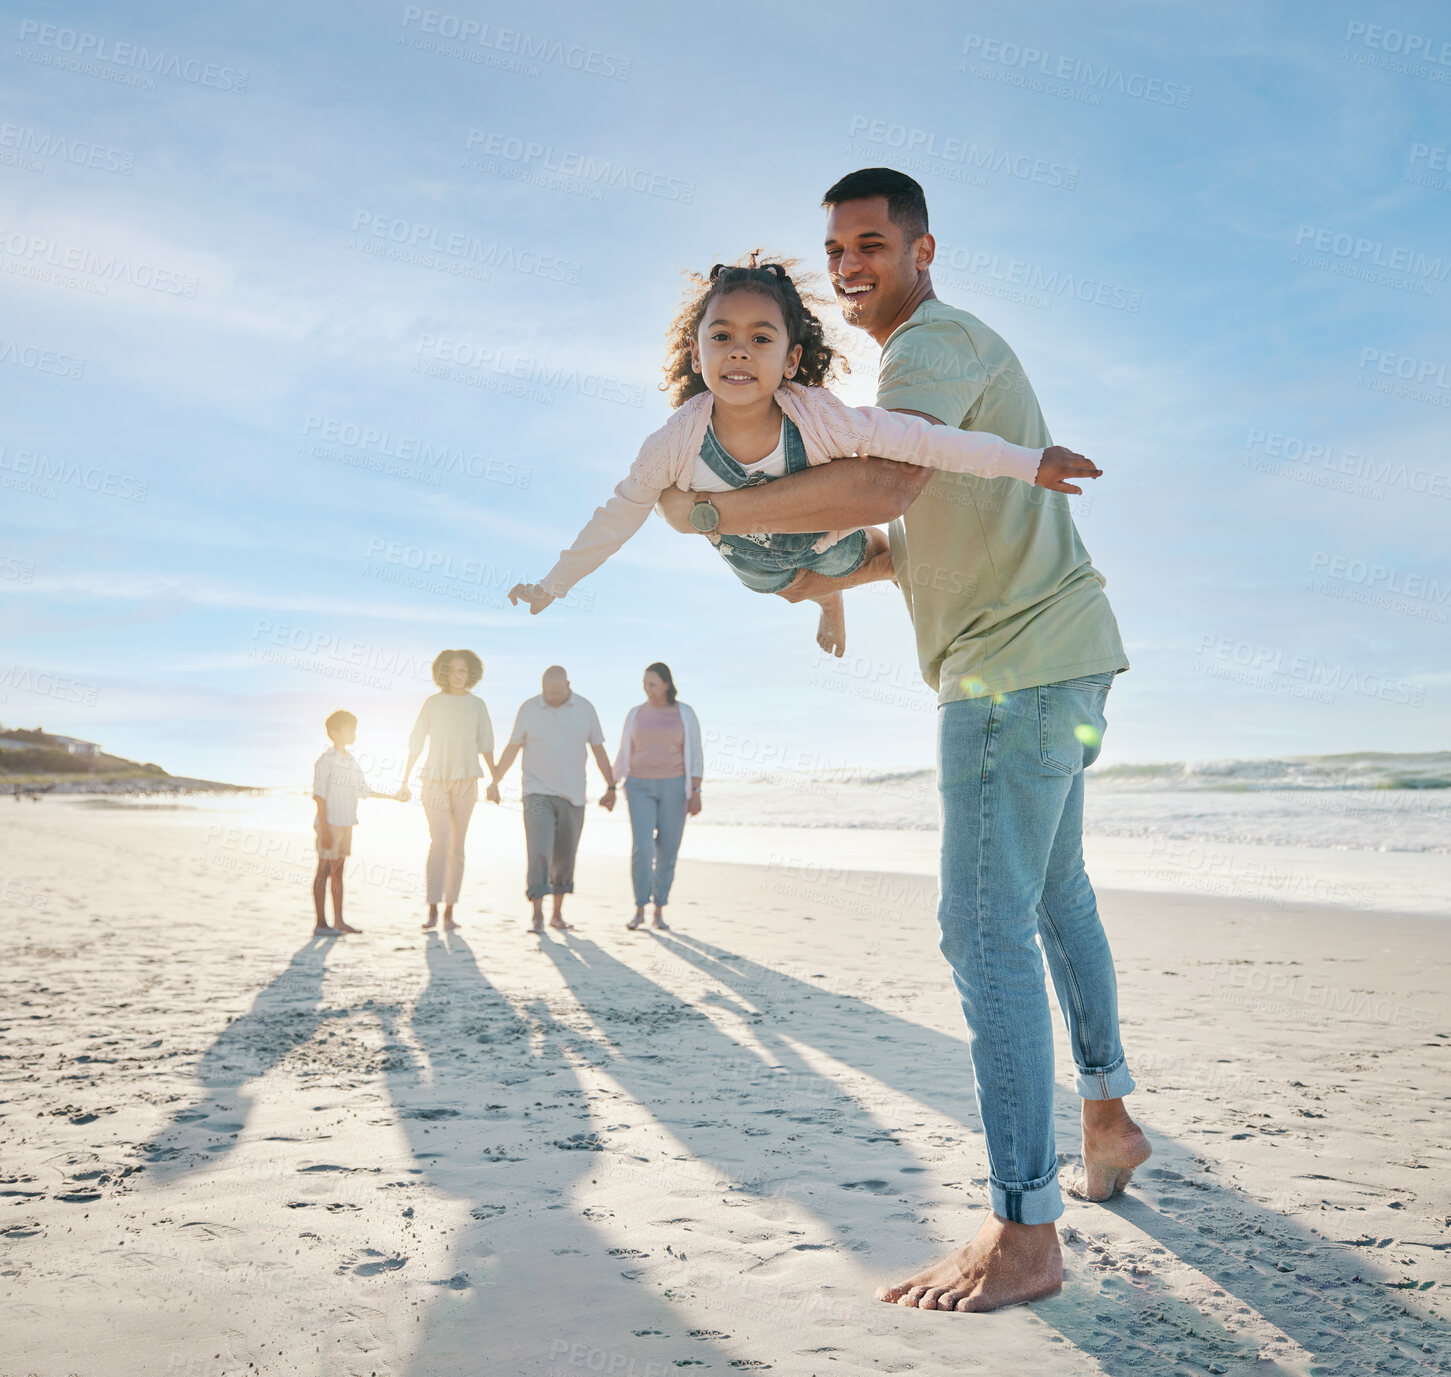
[
  {"x": 1014, "y": 890},
  {"x": 657, "y": 823}
]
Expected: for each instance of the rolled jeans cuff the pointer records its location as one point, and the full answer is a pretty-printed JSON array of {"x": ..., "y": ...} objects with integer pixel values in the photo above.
[
  {"x": 1104, "y": 1082},
  {"x": 532, "y": 894},
  {"x": 1038, "y": 1202}
]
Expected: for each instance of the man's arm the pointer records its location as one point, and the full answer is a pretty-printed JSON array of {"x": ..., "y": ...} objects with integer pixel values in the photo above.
[
  {"x": 602, "y": 759},
  {"x": 838, "y": 496},
  {"x": 607, "y": 769}
]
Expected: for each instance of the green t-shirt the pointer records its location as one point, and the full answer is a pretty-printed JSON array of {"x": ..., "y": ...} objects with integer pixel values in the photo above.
[{"x": 998, "y": 585}]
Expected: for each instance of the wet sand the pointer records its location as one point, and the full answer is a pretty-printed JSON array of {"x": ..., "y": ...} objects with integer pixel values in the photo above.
[{"x": 229, "y": 1147}]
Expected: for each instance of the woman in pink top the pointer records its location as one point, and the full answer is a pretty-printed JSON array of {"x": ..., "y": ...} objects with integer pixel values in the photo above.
[{"x": 661, "y": 763}]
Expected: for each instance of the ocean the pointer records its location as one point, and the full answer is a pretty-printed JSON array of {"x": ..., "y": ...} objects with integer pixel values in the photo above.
[{"x": 1362, "y": 831}]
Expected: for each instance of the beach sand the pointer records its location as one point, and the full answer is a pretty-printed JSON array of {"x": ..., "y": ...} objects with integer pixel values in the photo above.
[{"x": 230, "y": 1148}]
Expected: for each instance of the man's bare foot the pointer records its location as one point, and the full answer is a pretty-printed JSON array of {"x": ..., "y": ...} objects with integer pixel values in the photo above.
[
  {"x": 660, "y": 919},
  {"x": 322, "y": 930},
  {"x": 560, "y": 925},
  {"x": 636, "y": 921},
  {"x": 1113, "y": 1145},
  {"x": 340, "y": 926},
  {"x": 831, "y": 630},
  {"x": 1006, "y": 1264},
  {"x": 538, "y": 924}
]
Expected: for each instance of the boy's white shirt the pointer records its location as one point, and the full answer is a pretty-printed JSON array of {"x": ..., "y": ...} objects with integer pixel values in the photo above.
[
  {"x": 338, "y": 780},
  {"x": 830, "y": 429}
]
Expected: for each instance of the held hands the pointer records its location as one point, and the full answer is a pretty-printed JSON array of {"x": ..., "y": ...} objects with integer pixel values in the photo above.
[
  {"x": 1059, "y": 464},
  {"x": 534, "y": 595},
  {"x": 607, "y": 799},
  {"x": 492, "y": 794},
  {"x": 403, "y": 794}
]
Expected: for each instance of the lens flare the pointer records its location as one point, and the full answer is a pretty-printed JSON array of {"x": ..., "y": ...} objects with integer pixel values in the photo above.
[{"x": 1087, "y": 733}]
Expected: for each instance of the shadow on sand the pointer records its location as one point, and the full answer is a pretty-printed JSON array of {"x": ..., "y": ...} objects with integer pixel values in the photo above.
[{"x": 775, "y": 1128}]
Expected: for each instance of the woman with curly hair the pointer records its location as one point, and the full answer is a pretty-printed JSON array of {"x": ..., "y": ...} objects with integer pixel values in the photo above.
[
  {"x": 456, "y": 726},
  {"x": 747, "y": 370}
]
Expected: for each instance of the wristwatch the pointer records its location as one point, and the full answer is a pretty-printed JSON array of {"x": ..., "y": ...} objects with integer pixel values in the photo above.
[{"x": 704, "y": 515}]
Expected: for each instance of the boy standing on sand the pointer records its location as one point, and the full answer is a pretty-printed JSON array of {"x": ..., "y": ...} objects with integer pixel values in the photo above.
[{"x": 337, "y": 785}]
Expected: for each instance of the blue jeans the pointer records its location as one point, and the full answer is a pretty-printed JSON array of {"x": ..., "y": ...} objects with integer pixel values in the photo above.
[
  {"x": 657, "y": 823},
  {"x": 1010, "y": 768}
]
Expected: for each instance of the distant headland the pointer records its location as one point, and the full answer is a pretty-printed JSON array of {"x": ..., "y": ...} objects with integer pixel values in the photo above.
[{"x": 34, "y": 761}]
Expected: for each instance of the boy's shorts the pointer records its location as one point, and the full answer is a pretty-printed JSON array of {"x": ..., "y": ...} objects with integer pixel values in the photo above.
[
  {"x": 767, "y": 571},
  {"x": 341, "y": 848}
]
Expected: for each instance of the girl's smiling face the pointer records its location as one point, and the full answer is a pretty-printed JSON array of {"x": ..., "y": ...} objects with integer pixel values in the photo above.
[{"x": 742, "y": 349}]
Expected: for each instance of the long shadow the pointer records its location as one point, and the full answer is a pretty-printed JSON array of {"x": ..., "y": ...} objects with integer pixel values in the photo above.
[
  {"x": 284, "y": 1015},
  {"x": 1328, "y": 1309},
  {"x": 530, "y": 1280},
  {"x": 533, "y": 1281},
  {"x": 765, "y": 1118}
]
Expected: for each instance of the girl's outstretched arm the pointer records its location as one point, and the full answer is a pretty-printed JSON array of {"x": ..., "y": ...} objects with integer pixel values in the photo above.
[{"x": 604, "y": 533}]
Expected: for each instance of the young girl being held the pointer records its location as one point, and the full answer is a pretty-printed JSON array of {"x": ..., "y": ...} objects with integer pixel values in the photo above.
[{"x": 747, "y": 371}]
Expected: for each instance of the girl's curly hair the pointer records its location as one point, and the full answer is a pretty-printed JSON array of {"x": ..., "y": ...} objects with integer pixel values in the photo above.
[{"x": 819, "y": 361}]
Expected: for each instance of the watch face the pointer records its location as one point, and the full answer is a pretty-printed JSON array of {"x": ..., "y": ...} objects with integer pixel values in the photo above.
[{"x": 704, "y": 516}]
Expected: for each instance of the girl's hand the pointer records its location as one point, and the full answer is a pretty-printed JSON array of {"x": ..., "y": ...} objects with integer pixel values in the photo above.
[
  {"x": 325, "y": 837},
  {"x": 692, "y": 804},
  {"x": 534, "y": 595},
  {"x": 492, "y": 794},
  {"x": 1060, "y": 464}
]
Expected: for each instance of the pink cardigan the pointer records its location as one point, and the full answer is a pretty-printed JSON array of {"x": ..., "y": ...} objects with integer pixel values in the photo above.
[{"x": 830, "y": 429}]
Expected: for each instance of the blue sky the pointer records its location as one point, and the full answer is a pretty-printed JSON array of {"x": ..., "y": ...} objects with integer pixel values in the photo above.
[{"x": 1216, "y": 239}]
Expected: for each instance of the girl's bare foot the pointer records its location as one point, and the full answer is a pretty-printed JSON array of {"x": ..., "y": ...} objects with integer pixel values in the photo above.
[
  {"x": 660, "y": 918},
  {"x": 322, "y": 930},
  {"x": 1113, "y": 1145},
  {"x": 1006, "y": 1264},
  {"x": 432, "y": 917},
  {"x": 831, "y": 630},
  {"x": 340, "y": 926},
  {"x": 636, "y": 921},
  {"x": 448, "y": 924}
]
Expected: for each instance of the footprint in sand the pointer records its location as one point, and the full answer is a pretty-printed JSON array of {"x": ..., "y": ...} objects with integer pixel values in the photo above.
[{"x": 384, "y": 1264}]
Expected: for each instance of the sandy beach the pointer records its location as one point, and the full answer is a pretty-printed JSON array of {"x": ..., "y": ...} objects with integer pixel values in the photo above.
[{"x": 231, "y": 1148}]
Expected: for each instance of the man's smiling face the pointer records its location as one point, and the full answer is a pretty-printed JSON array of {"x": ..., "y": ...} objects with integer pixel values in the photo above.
[{"x": 874, "y": 269}]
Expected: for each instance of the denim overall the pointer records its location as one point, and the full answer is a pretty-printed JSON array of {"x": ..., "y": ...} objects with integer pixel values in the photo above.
[{"x": 768, "y": 563}]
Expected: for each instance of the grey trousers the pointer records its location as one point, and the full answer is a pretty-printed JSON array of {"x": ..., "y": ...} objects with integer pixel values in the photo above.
[{"x": 551, "y": 835}]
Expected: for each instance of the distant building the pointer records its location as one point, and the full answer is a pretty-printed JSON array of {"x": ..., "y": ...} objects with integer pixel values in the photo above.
[
  {"x": 73, "y": 745},
  {"x": 76, "y": 746}
]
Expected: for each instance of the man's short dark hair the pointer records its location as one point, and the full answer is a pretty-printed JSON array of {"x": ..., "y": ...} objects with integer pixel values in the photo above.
[{"x": 906, "y": 203}]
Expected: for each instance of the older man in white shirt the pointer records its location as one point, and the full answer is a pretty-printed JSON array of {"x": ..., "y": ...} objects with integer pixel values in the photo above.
[{"x": 553, "y": 731}]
